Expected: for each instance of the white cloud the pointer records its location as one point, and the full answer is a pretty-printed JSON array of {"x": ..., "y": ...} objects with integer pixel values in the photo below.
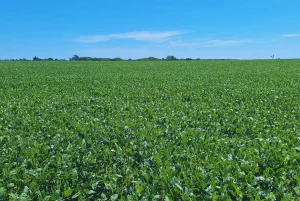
[
  {"x": 142, "y": 36},
  {"x": 291, "y": 35},
  {"x": 126, "y": 53},
  {"x": 184, "y": 44},
  {"x": 218, "y": 43},
  {"x": 210, "y": 43}
]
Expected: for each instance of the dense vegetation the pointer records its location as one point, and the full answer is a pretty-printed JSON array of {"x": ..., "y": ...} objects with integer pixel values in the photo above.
[
  {"x": 184, "y": 130},
  {"x": 78, "y": 58}
]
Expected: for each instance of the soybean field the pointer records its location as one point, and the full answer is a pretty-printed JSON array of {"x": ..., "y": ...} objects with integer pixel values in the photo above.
[{"x": 150, "y": 130}]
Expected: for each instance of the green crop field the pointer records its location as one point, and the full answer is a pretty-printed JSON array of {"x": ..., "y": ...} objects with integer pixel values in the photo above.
[{"x": 163, "y": 130}]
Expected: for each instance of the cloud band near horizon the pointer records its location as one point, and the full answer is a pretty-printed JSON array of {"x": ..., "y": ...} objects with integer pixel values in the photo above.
[
  {"x": 210, "y": 43},
  {"x": 141, "y": 36},
  {"x": 291, "y": 35}
]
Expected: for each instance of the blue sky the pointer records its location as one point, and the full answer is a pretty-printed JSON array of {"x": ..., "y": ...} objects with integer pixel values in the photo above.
[{"x": 242, "y": 29}]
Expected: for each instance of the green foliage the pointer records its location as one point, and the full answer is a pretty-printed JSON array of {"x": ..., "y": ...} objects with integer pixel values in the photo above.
[
  {"x": 98, "y": 59},
  {"x": 185, "y": 130},
  {"x": 149, "y": 59},
  {"x": 74, "y": 58},
  {"x": 170, "y": 57},
  {"x": 36, "y": 59}
]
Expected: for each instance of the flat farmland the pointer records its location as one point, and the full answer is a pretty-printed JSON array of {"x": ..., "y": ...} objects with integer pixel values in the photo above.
[{"x": 143, "y": 130}]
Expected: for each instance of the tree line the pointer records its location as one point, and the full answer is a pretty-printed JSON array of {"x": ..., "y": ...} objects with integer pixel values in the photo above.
[
  {"x": 170, "y": 57},
  {"x": 78, "y": 58}
]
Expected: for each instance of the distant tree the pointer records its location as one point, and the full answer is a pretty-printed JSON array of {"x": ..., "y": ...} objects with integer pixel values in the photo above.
[
  {"x": 36, "y": 59},
  {"x": 148, "y": 59},
  {"x": 117, "y": 59},
  {"x": 188, "y": 59},
  {"x": 49, "y": 59},
  {"x": 170, "y": 57},
  {"x": 198, "y": 59},
  {"x": 23, "y": 59},
  {"x": 84, "y": 59},
  {"x": 152, "y": 59},
  {"x": 74, "y": 58}
]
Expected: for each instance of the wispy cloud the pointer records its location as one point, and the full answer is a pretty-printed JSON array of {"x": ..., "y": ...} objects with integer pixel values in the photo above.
[
  {"x": 184, "y": 44},
  {"x": 210, "y": 43},
  {"x": 141, "y": 36},
  {"x": 291, "y": 35},
  {"x": 125, "y": 52},
  {"x": 218, "y": 43}
]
